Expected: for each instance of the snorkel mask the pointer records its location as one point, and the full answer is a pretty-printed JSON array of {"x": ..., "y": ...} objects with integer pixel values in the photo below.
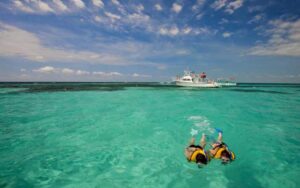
[
  {"x": 225, "y": 161},
  {"x": 202, "y": 161}
]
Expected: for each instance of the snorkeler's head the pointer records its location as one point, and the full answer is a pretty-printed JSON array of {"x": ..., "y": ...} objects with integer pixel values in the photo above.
[
  {"x": 225, "y": 156},
  {"x": 201, "y": 159}
]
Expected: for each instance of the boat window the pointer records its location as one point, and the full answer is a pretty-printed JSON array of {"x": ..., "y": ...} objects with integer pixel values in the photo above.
[{"x": 186, "y": 79}]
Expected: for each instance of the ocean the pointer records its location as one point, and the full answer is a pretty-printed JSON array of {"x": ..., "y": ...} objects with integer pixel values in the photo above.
[{"x": 134, "y": 135}]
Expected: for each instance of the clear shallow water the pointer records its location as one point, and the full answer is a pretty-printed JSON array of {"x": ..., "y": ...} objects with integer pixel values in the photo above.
[{"x": 134, "y": 137}]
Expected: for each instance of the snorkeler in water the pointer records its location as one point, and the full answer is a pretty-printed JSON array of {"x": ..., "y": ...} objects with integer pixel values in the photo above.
[
  {"x": 220, "y": 150},
  {"x": 197, "y": 153}
]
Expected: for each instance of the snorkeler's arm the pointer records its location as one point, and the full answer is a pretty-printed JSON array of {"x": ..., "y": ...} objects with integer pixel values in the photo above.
[
  {"x": 192, "y": 141},
  {"x": 203, "y": 141},
  {"x": 189, "y": 150},
  {"x": 220, "y": 137}
]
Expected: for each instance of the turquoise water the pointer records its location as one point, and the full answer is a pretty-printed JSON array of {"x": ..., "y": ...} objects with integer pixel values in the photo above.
[{"x": 135, "y": 137}]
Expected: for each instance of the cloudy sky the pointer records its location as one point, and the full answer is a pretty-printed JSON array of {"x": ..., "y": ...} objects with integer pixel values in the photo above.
[{"x": 149, "y": 40}]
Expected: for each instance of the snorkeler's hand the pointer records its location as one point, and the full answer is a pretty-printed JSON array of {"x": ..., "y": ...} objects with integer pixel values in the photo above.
[{"x": 219, "y": 130}]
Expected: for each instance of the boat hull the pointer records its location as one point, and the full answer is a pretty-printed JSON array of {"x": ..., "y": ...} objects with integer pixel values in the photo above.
[{"x": 198, "y": 85}]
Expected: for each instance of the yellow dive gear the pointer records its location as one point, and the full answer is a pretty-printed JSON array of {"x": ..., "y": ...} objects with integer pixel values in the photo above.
[
  {"x": 220, "y": 150},
  {"x": 232, "y": 155},
  {"x": 218, "y": 153},
  {"x": 196, "y": 152}
]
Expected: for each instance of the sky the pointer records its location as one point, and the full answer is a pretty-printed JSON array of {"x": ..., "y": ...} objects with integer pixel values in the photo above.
[{"x": 149, "y": 40}]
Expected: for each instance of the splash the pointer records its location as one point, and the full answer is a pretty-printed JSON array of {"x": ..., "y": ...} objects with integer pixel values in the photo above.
[
  {"x": 196, "y": 118},
  {"x": 194, "y": 132},
  {"x": 201, "y": 124}
]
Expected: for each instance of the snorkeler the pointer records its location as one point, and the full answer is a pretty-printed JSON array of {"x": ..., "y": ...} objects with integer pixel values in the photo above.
[
  {"x": 220, "y": 150},
  {"x": 196, "y": 153}
]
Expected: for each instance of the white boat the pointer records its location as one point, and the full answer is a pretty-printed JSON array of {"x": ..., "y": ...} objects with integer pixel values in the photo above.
[{"x": 190, "y": 79}]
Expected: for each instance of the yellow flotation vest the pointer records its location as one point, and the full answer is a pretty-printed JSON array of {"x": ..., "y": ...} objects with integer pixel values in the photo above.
[
  {"x": 220, "y": 150},
  {"x": 196, "y": 152}
]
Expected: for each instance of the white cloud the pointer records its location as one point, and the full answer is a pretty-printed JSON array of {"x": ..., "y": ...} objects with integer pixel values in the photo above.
[
  {"x": 199, "y": 16},
  {"x": 98, "y": 3},
  {"x": 140, "y": 75},
  {"x": 226, "y": 34},
  {"x": 41, "y": 7},
  {"x": 256, "y": 18},
  {"x": 67, "y": 71},
  {"x": 182, "y": 52},
  {"x": 44, "y": 7},
  {"x": 19, "y": 44},
  {"x": 284, "y": 39},
  {"x": 46, "y": 69},
  {"x": 139, "y": 8},
  {"x": 223, "y": 21},
  {"x": 187, "y": 30},
  {"x": 176, "y": 7},
  {"x": 118, "y": 74},
  {"x": 173, "y": 31},
  {"x": 82, "y": 72},
  {"x": 295, "y": 36},
  {"x": 97, "y": 18},
  {"x": 218, "y": 4},
  {"x": 116, "y": 2},
  {"x": 60, "y": 5},
  {"x": 112, "y": 16},
  {"x": 47, "y": 73},
  {"x": 78, "y": 3},
  {"x": 115, "y": 74},
  {"x": 232, "y": 6},
  {"x": 19, "y": 5},
  {"x": 158, "y": 7},
  {"x": 104, "y": 74},
  {"x": 199, "y": 4},
  {"x": 203, "y": 30},
  {"x": 119, "y": 6},
  {"x": 163, "y": 31},
  {"x": 15, "y": 42},
  {"x": 62, "y": 71},
  {"x": 138, "y": 18}
]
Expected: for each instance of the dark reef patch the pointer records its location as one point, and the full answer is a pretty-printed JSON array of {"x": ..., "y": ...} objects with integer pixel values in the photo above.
[{"x": 75, "y": 86}]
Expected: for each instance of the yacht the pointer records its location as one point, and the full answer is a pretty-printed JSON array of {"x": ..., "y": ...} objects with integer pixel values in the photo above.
[{"x": 190, "y": 79}]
